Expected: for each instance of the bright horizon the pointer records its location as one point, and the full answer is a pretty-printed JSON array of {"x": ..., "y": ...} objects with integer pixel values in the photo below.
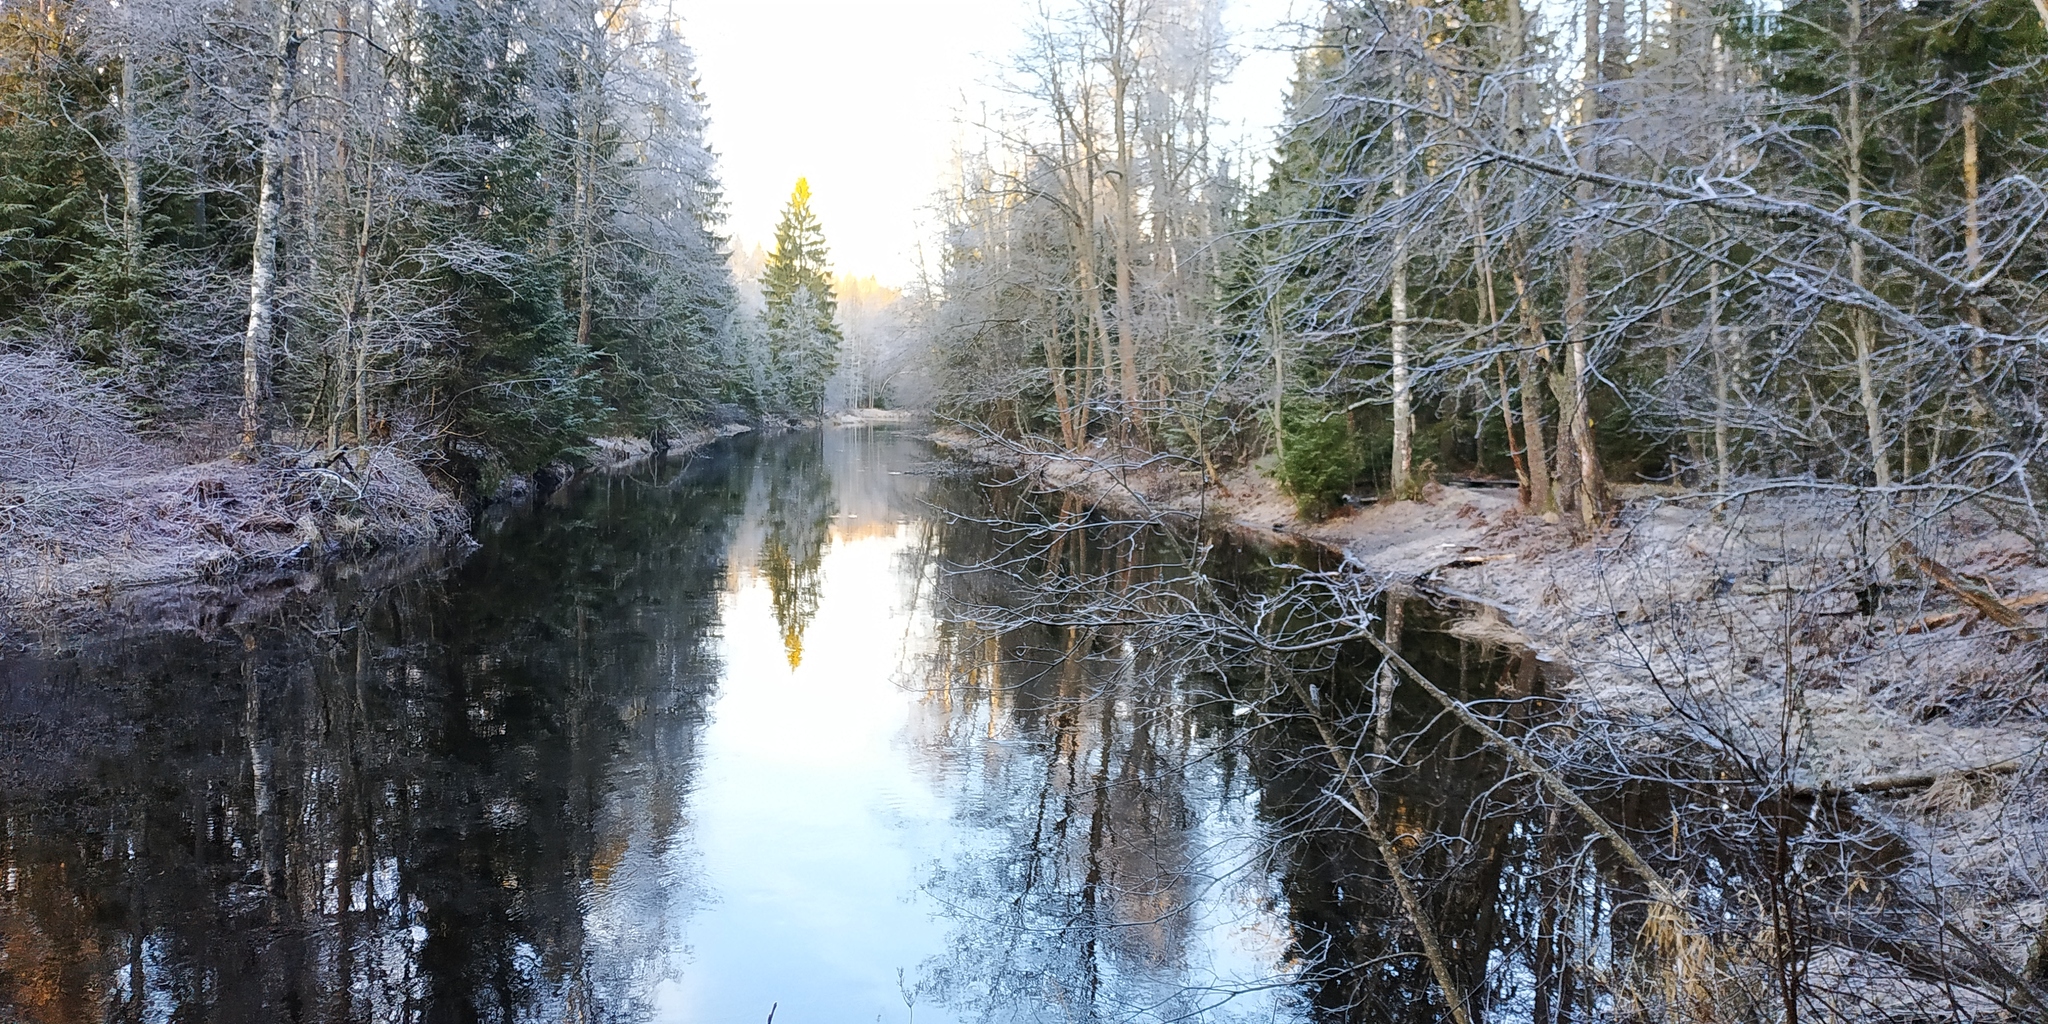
[{"x": 864, "y": 100}]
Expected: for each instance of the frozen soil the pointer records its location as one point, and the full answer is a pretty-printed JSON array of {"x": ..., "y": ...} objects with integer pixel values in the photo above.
[
  {"x": 91, "y": 539},
  {"x": 135, "y": 546},
  {"x": 1690, "y": 621}
]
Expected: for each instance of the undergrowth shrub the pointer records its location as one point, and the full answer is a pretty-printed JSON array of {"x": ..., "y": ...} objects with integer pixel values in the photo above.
[{"x": 1320, "y": 458}]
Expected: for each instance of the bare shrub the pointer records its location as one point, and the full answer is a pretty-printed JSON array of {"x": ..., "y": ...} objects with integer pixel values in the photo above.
[
  {"x": 372, "y": 495},
  {"x": 56, "y": 422}
]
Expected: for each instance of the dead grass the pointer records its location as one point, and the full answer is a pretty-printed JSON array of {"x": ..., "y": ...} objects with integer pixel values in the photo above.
[
  {"x": 102, "y": 528},
  {"x": 89, "y": 506}
]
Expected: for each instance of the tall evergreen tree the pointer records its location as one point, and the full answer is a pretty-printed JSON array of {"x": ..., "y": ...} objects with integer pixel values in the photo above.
[
  {"x": 491, "y": 234},
  {"x": 803, "y": 330}
]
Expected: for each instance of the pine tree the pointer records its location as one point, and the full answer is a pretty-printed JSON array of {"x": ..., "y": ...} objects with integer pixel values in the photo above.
[{"x": 803, "y": 332}]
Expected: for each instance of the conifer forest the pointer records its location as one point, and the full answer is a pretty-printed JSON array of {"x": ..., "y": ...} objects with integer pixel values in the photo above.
[{"x": 1547, "y": 525}]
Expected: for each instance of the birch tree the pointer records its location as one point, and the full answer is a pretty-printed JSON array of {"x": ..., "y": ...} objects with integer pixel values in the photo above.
[
  {"x": 283, "y": 60},
  {"x": 1099, "y": 198},
  {"x": 482, "y": 232}
]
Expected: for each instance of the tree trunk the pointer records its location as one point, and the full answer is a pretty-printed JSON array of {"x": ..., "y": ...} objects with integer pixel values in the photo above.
[
  {"x": 1077, "y": 174},
  {"x": 1126, "y": 220},
  {"x": 1542, "y": 498},
  {"x": 1056, "y": 371},
  {"x": 355, "y": 330},
  {"x": 1721, "y": 389},
  {"x": 348, "y": 360},
  {"x": 1489, "y": 310},
  {"x": 1529, "y": 375},
  {"x": 200, "y": 184},
  {"x": 1276, "y": 340},
  {"x": 1404, "y": 413},
  {"x": 1397, "y": 333},
  {"x": 1973, "y": 243},
  {"x": 1126, "y": 339},
  {"x": 1973, "y": 264},
  {"x": 129, "y": 164},
  {"x": 1590, "y": 490},
  {"x": 1565, "y": 465},
  {"x": 269, "y": 205},
  {"x": 1091, "y": 349},
  {"x": 1862, "y": 332},
  {"x": 584, "y": 158}
]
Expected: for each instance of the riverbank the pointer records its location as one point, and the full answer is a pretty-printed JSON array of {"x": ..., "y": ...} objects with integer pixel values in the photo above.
[
  {"x": 183, "y": 545},
  {"x": 1868, "y": 641}
]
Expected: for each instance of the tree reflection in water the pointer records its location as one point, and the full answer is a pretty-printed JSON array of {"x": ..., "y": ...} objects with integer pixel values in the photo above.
[
  {"x": 1200, "y": 726},
  {"x": 799, "y": 508},
  {"x": 401, "y": 803},
  {"x": 1170, "y": 782},
  {"x": 1120, "y": 880},
  {"x": 1157, "y": 836}
]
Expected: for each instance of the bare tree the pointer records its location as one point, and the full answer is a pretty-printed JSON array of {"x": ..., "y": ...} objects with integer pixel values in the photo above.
[
  {"x": 283, "y": 60},
  {"x": 1107, "y": 154}
]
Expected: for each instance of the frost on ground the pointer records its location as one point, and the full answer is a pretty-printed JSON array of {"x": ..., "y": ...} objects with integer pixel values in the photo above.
[
  {"x": 1843, "y": 646},
  {"x": 88, "y": 506},
  {"x": 93, "y": 513}
]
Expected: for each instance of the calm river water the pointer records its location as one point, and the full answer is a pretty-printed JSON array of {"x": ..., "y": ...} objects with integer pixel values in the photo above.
[{"x": 700, "y": 743}]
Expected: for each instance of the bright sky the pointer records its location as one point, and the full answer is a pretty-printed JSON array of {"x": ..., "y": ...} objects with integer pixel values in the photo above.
[{"x": 862, "y": 97}]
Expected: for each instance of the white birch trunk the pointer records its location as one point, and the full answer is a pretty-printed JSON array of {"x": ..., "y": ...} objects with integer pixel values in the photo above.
[
  {"x": 1397, "y": 299},
  {"x": 269, "y": 205}
]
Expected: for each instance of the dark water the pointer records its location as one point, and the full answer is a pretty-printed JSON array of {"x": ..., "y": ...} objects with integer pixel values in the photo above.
[{"x": 740, "y": 734}]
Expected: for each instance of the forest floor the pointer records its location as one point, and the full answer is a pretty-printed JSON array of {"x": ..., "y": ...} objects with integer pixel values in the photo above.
[
  {"x": 188, "y": 544},
  {"x": 1694, "y": 621}
]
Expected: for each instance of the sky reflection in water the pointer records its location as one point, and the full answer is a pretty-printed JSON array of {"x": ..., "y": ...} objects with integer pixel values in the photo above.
[
  {"x": 841, "y": 799},
  {"x": 683, "y": 746}
]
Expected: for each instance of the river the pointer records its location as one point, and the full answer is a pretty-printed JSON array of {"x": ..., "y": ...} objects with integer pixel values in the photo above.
[{"x": 760, "y": 732}]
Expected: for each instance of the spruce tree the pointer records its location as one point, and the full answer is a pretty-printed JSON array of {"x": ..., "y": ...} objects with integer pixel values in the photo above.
[{"x": 803, "y": 332}]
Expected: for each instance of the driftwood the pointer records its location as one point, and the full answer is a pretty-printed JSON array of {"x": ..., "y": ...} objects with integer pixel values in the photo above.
[
  {"x": 1896, "y": 783},
  {"x": 1975, "y": 596},
  {"x": 1937, "y": 621}
]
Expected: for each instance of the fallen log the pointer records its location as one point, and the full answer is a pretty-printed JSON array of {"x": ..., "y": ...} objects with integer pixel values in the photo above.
[
  {"x": 1973, "y": 595},
  {"x": 1940, "y": 619},
  {"x": 1895, "y": 783}
]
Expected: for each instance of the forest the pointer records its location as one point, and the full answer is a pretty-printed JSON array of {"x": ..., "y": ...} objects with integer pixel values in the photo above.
[
  {"x": 1668, "y": 242},
  {"x": 1696, "y": 348},
  {"x": 1670, "y": 373},
  {"x": 387, "y": 255},
  {"x": 1643, "y": 242}
]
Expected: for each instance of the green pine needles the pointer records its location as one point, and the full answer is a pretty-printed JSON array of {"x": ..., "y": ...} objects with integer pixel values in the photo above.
[
  {"x": 803, "y": 332},
  {"x": 1320, "y": 459}
]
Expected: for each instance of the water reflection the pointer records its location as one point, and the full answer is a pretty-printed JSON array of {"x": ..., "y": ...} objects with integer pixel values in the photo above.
[
  {"x": 389, "y": 805},
  {"x": 1180, "y": 841},
  {"x": 797, "y": 725},
  {"x": 800, "y": 507}
]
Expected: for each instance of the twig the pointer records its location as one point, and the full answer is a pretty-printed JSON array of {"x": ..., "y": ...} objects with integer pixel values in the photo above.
[{"x": 1664, "y": 891}]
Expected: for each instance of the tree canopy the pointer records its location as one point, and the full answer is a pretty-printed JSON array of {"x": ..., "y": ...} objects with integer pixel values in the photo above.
[{"x": 801, "y": 311}]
